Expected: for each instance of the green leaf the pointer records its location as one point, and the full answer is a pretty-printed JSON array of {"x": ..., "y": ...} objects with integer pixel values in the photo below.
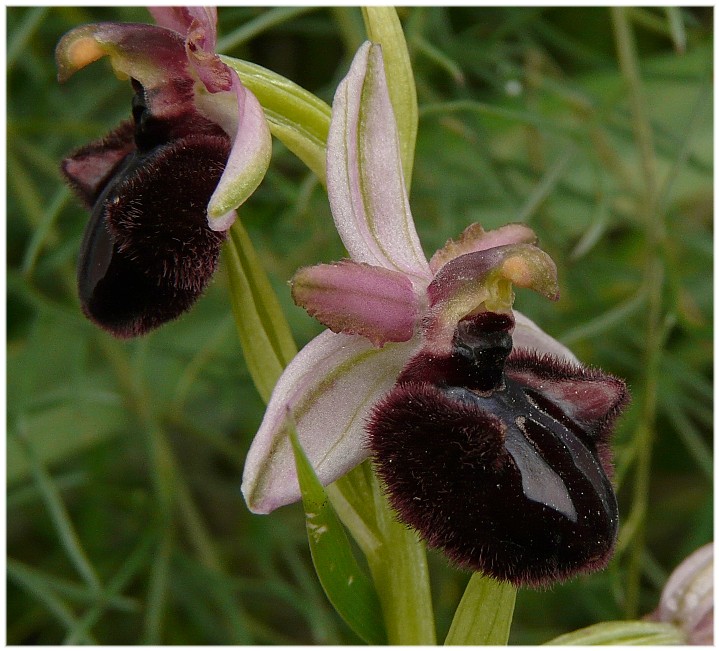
[
  {"x": 383, "y": 27},
  {"x": 484, "y": 615},
  {"x": 265, "y": 336},
  {"x": 622, "y": 633},
  {"x": 297, "y": 118},
  {"x": 345, "y": 584}
]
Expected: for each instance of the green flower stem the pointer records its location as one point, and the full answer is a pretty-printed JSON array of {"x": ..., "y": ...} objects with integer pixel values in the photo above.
[
  {"x": 401, "y": 576},
  {"x": 398, "y": 562},
  {"x": 653, "y": 278},
  {"x": 484, "y": 616},
  {"x": 300, "y": 120},
  {"x": 396, "y": 557},
  {"x": 352, "y": 499}
]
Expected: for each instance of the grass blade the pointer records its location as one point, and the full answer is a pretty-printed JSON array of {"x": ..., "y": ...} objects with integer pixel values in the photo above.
[{"x": 60, "y": 517}]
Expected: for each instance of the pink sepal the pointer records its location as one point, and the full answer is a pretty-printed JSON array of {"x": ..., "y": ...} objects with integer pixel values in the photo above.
[{"x": 360, "y": 299}]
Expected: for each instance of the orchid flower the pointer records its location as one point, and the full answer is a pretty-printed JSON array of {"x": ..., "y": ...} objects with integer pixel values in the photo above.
[
  {"x": 500, "y": 460},
  {"x": 163, "y": 187}
]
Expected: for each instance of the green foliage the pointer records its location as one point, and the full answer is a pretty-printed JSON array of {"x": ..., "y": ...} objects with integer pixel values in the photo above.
[
  {"x": 125, "y": 521},
  {"x": 346, "y": 585}
]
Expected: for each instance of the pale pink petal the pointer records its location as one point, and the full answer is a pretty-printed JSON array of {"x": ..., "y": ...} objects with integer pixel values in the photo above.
[
  {"x": 329, "y": 389},
  {"x": 528, "y": 334},
  {"x": 249, "y": 158},
  {"x": 475, "y": 238},
  {"x": 688, "y": 597},
  {"x": 365, "y": 183},
  {"x": 358, "y": 299}
]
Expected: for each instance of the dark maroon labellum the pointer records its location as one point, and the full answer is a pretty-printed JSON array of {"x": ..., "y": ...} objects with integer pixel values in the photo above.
[
  {"x": 148, "y": 252},
  {"x": 502, "y": 461}
]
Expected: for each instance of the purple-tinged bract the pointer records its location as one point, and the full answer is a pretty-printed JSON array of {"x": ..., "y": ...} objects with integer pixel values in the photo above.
[{"x": 502, "y": 460}]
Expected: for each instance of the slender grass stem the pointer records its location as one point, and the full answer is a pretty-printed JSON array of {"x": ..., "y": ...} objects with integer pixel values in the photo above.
[
  {"x": 138, "y": 559},
  {"x": 24, "y": 34},
  {"x": 203, "y": 356},
  {"x": 269, "y": 19},
  {"x": 171, "y": 488},
  {"x": 45, "y": 232},
  {"x": 171, "y": 491},
  {"x": 158, "y": 588},
  {"x": 439, "y": 58},
  {"x": 654, "y": 280},
  {"x": 39, "y": 589},
  {"x": 61, "y": 520}
]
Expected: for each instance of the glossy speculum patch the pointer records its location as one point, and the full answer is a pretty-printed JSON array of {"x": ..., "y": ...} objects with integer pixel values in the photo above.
[
  {"x": 502, "y": 460},
  {"x": 148, "y": 251}
]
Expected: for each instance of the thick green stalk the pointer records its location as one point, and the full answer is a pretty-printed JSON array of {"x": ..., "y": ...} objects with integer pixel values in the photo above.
[
  {"x": 265, "y": 336},
  {"x": 401, "y": 576},
  {"x": 653, "y": 278},
  {"x": 396, "y": 557}
]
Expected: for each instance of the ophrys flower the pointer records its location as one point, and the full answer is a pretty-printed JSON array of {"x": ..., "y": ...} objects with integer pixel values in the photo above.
[
  {"x": 500, "y": 458},
  {"x": 162, "y": 187}
]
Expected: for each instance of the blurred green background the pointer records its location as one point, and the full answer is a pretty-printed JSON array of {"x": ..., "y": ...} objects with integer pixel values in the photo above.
[{"x": 125, "y": 523}]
